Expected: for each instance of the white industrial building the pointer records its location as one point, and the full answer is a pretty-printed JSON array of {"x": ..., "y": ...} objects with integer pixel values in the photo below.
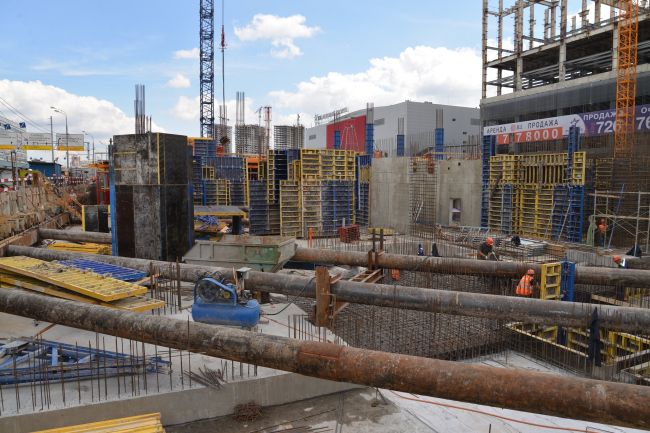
[{"x": 419, "y": 124}]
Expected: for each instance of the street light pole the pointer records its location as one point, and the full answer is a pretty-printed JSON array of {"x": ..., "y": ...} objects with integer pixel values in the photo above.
[
  {"x": 88, "y": 133},
  {"x": 67, "y": 139}
]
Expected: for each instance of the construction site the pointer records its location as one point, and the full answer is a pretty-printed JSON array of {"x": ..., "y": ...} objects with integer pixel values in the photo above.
[{"x": 409, "y": 267}]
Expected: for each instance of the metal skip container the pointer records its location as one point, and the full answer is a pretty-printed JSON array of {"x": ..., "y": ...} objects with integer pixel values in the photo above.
[{"x": 260, "y": 253}]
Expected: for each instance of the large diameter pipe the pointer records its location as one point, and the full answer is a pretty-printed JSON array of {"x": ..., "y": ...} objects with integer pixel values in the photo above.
[
  {"x": 67, "y": 235},
  {"x": 510, "y": 308},
  {"x": 487, "y": 268},
  {"x": 583, "y": 399}
]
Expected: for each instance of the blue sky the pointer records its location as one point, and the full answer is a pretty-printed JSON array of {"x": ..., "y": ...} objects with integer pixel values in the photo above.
[{"x": 97, "y": 51}]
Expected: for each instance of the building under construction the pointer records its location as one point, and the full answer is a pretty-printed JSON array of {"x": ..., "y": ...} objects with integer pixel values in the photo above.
[{"x": 335, "y": 281}]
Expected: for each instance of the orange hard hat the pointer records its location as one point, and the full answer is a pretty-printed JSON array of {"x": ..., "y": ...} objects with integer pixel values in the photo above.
[
  {"x": 489, "y": 241},
  {"x": 531, "y": 272},
  {"x": 602, "y": 220},
  {"x": 617, "y": 258}
]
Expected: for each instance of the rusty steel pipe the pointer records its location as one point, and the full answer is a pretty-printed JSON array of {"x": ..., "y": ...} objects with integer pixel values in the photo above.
[
  {"x": 485, "y": 268},
  {"x": 67, "y": 235},
  {"x": 583, "y": 399},
  {"x": 510, "y": 308}
]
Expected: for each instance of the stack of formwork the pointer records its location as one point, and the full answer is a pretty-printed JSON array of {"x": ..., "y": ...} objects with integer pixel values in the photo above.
[
  {"x": 210, "y": 192},
  {"x": 362, "y": 190},
  {"x": 151, "y": 204},
  {"x": 311, "y": 207},
  {"x": 222, "y": 192},
  {"x": 538, "y": 195},
  {"x": 197, "y": 180},
  {"x": 205, "y": 147},
  {"x": 259, "y": 208},
  {"x": 290, "y": 208},
  {"x": 335, "y": 205}
]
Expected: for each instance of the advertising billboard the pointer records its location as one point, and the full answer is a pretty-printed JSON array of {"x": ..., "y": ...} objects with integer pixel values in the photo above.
[{"x": 591, "y": 124}]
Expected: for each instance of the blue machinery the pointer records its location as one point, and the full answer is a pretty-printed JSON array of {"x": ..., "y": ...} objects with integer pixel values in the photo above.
[{"x": 221, "y": 303}]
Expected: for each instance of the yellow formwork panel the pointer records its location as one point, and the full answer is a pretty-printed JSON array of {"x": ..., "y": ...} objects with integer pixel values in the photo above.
[
  {"x": 132, "y": 303},
  {"x": 550, "y": 281},
  {"x": 86, "y": 283},
  {"x": 140, "y": 423}
]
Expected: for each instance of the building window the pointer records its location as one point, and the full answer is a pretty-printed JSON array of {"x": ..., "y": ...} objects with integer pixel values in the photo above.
[
  {"x": 454, "y": 211},
  {"x": 465, "y": 133},
  {"x": 475, "y": 122},
  {"x": 379, "y": 122},
  {"x": 453, "y": 120},
  {"x": 312, "y": 137}
]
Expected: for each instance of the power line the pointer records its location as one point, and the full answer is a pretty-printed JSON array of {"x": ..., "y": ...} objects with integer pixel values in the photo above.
[{"x": 21, "y": 115}]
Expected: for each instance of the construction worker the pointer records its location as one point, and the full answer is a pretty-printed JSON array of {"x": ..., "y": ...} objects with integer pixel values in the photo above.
[
  {"x": 527, "y": 284},
  {"x": 619, "y": 263},
  {"x": 516, "y": 241},
  {"x": 485, "y": 250},
  {"x": 395, "y": 274},
  {"x": 602, "y": 231},
  {"x": 73, "y": 198}
]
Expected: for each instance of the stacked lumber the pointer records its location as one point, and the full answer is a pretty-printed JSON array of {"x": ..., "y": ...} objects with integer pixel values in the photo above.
[
  {"x": 87, "y": 248},
  {"x": 141, "y": 424}
]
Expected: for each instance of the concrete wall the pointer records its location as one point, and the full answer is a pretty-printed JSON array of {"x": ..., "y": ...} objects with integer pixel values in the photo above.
[
  {"x": 389, "y": 193},
  {"x": 182, "y": 406},
  {"x": 459, "y": 179}
]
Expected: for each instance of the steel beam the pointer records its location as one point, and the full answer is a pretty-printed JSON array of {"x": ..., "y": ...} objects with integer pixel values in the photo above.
[
  {"x": 67, "y": 235},
  {"x": 486, "y": 268},
  {"x": 509, "y": 308},
  {"x": 547, "y": 394}
]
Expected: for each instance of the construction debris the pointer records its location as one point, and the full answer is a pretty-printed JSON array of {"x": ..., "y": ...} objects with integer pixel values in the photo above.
[{"x": 247, "y": 412}]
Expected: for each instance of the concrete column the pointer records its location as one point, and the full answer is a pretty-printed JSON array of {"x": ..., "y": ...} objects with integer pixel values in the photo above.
[
  {"x": 531, "y": 22},
  {"x": 547, "y": 25},
  {"x": 553, "y": 20},
  {"x": 484, "y": 43},
  {"x": 596, "y": 11},
  {"x": 562, "y": 57},
  {"x": 584, "y": 14},
  {"x": 500, "y": 44},
  {"x": 519, "y": 43},
  {"x": 615, "y": 48}
]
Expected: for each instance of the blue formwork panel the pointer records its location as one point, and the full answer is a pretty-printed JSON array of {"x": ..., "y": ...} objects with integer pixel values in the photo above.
[
  {"x": 364, "y": 160},
  {"x": 116, "y": 272},
  {"x": 488, "y": 152},
  {"x": 237, "y": 192},
  {"x": 292, "y": 155},
  {"x": 400, "y": 145},
  {"x": 205, "y": 148},
  {"x": 229, "y": 167},
  {"x": 370, "y": 138},
  {"x": 440, "y": 143},
  {"x": 560, "y": 215},
  {"x": 335, "y": 207},
  {"x": 258, "y": 214}
]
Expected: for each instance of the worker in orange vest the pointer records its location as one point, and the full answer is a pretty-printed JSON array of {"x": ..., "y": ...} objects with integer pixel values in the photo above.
[
  {"x": 602, "y": 231},
  {"x": 378, "y": 154},
  {"x": 396, "y": 275},
  {"x": 527, "y": 284}
]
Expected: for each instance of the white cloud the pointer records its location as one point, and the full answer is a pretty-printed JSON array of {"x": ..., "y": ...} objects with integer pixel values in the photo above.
[
  {"x": 422, "y": 73},
  {"x": 179, "y": 81},
  {"x": 85, "y": 113},
  {"x": 187, "y": 54},
  {"x": 281, "y": 30}
]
